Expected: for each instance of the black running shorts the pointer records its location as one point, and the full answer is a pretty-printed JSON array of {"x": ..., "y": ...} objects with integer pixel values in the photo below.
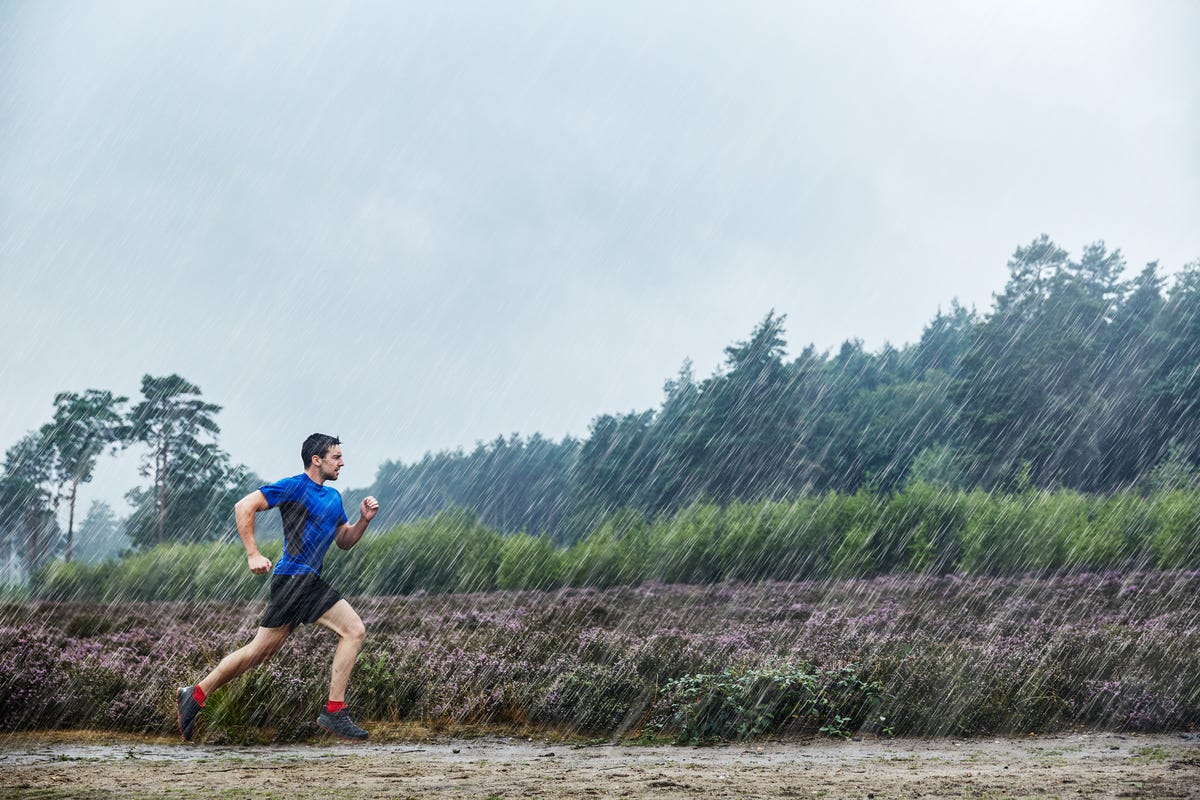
[{"x": 298, "y": 599}]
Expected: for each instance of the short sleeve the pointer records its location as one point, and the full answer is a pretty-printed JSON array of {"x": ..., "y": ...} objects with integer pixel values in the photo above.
[{"x": 288, "y": 489}]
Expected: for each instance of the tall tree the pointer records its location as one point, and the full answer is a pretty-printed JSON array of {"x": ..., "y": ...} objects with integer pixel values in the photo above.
[
  {"x": 943, "y": 342},
  {"x": 614, "y": 469},
  {"x": 172, "y": 420},
  {"x": 84, "y": 426},
  {"x": 1174, "y": 374},
  {"x": 675, "y": 449},
  {"x": 847, "y": 381},
  {"x": 1018, "y": 386},
  {"x": 748, "y": 419},
  {"x": 199, "y": 504},
  {"x": 1132, "y": 439},
  {"x": 100, "y": 534},
  {"x": 27, "y": 520}
]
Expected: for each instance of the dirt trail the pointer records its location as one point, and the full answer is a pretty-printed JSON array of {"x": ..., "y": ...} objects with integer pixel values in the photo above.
[{"x": 1067, "y": 766}]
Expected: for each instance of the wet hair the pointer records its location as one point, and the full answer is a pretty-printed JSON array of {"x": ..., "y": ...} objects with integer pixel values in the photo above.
[{"x": 317, "y": 445}]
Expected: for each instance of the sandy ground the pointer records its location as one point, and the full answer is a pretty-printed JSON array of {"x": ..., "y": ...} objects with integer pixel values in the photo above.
[{"x": 1067, "y": 766}]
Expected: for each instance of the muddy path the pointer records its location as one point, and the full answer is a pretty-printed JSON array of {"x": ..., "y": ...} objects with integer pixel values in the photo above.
[{"x": 1066, "y": 766}]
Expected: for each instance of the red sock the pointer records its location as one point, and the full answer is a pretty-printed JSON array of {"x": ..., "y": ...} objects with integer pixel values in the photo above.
[
  {"x": 334, "y": 706},
  {"x": 199, "y": 694}
]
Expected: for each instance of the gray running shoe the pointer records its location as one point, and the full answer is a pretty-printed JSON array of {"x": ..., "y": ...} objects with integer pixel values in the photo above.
[
  {"x": 185, "y": 703},
  {"x": 340, "y": 724}
]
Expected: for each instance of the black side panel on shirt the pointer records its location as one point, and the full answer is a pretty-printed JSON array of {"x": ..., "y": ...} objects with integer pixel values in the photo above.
[{"x": 294, "y": 515}]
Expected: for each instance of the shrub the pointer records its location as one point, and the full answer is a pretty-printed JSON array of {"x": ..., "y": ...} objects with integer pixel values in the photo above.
[
  {"x": 742, "y": 704},
  {"x": 1175, "y": 542},
  {"x": 529, "y": 562},
  {"x": 946, "y": 655},
  {"x": 606, "y": 699},
  {"x": 611, "y": 556}
]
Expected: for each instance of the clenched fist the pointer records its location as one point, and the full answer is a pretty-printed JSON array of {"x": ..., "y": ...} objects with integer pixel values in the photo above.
[{"x": 368, "y": 508}]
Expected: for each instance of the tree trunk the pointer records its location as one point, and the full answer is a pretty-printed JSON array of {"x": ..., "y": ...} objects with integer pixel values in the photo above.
[
  {"x": 71, "y": 518},
  {"x": 161, "y": 486},
  {"x": 33, "y": 544}
]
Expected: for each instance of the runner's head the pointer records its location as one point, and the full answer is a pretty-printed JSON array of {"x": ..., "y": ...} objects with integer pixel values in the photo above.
[
  {"x": 317, "y": 446},
  {"x": 322, "y": 457}
]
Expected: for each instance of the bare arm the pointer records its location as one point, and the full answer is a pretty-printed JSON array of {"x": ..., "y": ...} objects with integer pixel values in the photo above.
[
  {"x": 243, "y": 514},
  {"x": 348, "y": 535}
]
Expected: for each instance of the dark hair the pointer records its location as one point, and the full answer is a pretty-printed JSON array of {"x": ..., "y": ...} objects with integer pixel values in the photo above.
[{"x": 317, "y": 445}]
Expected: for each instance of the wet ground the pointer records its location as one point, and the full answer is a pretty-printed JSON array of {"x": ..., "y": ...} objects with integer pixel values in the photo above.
[{"x": 1066, "y": 766}]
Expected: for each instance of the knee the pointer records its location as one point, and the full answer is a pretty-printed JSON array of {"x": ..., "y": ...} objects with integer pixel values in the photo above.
[{"x": 356, "y": 632}]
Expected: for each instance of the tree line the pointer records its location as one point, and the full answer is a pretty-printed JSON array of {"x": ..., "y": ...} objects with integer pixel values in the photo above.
[{"x": 1079, "y": 377}]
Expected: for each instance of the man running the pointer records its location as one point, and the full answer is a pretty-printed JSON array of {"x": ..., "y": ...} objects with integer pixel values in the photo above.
[{"x": 313, "y": 518}]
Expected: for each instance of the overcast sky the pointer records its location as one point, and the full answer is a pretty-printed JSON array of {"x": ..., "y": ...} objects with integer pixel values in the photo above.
[{"x": 420, "y": 225}]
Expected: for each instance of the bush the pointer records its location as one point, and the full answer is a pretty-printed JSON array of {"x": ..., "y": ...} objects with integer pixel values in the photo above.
[
  {"x": 450, "y": 552},
  {"x": 742, "y": 704},
  {"x": 594, "y": 698},
  {"x": 529, "y": 562},
  {"x": 60, "y": 580},
  {"x": 611, "y": 556},
  {"x": 1175, "y": 541},
  {"x": 687, "y": 547}
]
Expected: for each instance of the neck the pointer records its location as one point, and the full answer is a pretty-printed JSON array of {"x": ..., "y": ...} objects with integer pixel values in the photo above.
[{"x": 315, "y": 474}]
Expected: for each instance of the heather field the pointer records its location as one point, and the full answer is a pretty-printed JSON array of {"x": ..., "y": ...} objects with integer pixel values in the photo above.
[{"x": 888, "y": 657}]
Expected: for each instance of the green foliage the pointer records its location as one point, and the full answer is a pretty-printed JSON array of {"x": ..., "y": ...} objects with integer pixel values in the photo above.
[
  {"x": 739, "y": 704},
  {"x": 529, "y": 562},
  {"x": 194, "y": 486},
  {"x": 1174, "y": 540},
  {"x": 611, "y": 556},
  {"x": 1174, "y": 472},
  {"x": 922, "y": 529},
  {"x": 212, "y": 571},
  {"x": 803, "y": 536},
  {"x": 28, "y": 526},
  {"x": 936, "y": 466},
  {"x": 451, "y": 552},
  {"x": 687, "y": 547},
  {"x": 852, "y": 559},
  {"x": 927, "y": 521},
  {"x": 513, "y": 484},
  {"x": 100, "y": 535},
  {"x": 69, "y": 580}
]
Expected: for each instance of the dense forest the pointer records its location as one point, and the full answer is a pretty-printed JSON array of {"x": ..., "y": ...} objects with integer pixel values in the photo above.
[{"x": 1080, "y": 377}]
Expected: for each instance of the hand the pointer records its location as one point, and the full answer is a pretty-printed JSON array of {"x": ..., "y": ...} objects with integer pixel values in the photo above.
[
  {"x": 259, "y": 565},
  {"x": 369, "y": 508}
]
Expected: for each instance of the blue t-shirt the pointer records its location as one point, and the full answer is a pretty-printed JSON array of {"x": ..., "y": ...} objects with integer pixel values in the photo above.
[{"x": 311, "y": 513}]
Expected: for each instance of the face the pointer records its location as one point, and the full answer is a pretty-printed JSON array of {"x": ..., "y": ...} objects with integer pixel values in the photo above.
[{"x": 331, "y": 463}]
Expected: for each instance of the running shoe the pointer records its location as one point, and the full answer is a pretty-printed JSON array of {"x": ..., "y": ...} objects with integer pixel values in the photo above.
[
  {"x": 340, "y": 724},
  {"x": 188, "y": 708}
]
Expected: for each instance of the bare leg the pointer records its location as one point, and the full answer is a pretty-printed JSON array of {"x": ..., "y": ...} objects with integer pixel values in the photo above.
[
  {"x": 345, "y": 622},
  {"x": 265, "y": 644}
]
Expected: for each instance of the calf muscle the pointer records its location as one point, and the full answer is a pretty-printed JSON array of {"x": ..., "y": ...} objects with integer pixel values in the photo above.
[{"x": 265, "y": 644}]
